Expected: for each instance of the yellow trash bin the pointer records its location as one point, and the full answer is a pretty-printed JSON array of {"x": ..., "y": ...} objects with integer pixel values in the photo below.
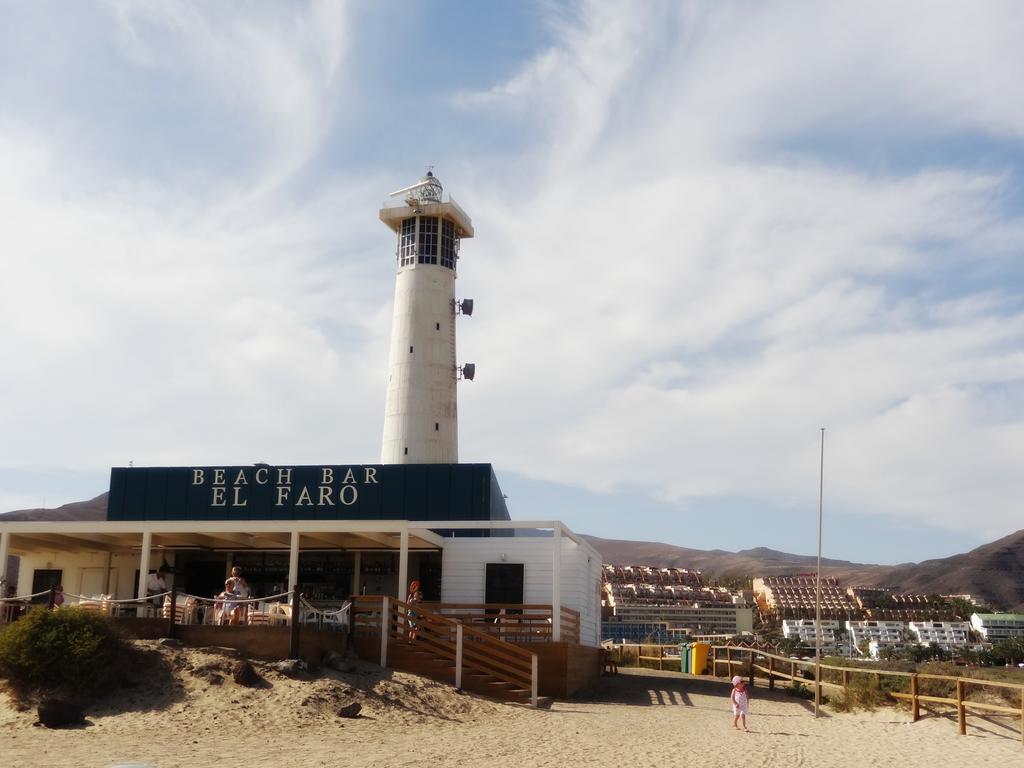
[{"x": 699, "y": 658}]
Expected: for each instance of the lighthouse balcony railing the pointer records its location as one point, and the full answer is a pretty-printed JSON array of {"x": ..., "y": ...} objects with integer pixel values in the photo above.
[{"x": 400, "y": 201}]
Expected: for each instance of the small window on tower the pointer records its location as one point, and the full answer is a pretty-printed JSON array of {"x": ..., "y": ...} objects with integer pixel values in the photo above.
[
  {"x": 437, "y": 326},
  {"x": 449, "y": 244},
  {"x": 437, "y": 427},
  {"x": 407, "y": 243},
  {"x": 410, "y": 350},
  {"x": 428, "y": 240},
  {"x": 407, "y": 451}
]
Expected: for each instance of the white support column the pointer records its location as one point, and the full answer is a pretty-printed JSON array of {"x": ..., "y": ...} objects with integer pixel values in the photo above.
[
  {"x": 147, "y": 544},
  {"x": 5, "y": 547},
  {"x": 293, "y": 561},
  {"x": 355, "y": 573},
  {"x": 556, "y": 583},
  {"x": 403, "y": 565},
  {"x": 106, "y": 573},
  {"x": 533, "y": 680}
]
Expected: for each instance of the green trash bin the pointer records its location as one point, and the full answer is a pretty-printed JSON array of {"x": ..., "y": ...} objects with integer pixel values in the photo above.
[{"x": 684, "y": 657}]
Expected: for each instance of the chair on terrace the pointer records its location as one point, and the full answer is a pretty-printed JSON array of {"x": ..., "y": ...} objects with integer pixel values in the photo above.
[
  {"x": 279, "y": 613},
  {"x": 184, "y": 610},
  {"x": 101, "y": 605}
]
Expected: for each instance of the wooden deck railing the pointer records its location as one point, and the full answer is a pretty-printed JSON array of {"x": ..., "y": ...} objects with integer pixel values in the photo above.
[
  {"x": 512, "y": 622},
  {"x": 465, "y": 648}
]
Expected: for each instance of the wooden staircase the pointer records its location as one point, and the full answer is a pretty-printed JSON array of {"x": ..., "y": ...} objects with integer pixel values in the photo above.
[{"x": 426, "y": 643}]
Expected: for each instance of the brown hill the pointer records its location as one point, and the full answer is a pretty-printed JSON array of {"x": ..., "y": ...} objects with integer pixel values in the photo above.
[
  {"x": 93, "y": 509},
  {"x": 717, "y": 563},
  {"x": 993, "y": 572}
]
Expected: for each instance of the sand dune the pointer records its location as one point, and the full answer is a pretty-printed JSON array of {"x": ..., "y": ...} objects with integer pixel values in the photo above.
[{"x": 186, "y": 717}]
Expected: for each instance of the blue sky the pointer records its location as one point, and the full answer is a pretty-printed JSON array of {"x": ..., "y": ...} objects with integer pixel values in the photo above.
[{"x": 704, "y": 230}]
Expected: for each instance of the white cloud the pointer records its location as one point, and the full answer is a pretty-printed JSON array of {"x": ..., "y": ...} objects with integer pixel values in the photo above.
[
  {"x": 678, "y": 305},
  {"x": 147, "y": 321},
  {"x": 277, "y": 68}
]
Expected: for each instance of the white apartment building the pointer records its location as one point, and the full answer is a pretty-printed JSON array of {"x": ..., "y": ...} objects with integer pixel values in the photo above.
[
  {"x": 946, "y": 634},
  {"x": 696, "y": 618},
  {"x": 998, "y": 626},
  {"x": 881, "y": 632},
  {"x": 804, "y": 631}
]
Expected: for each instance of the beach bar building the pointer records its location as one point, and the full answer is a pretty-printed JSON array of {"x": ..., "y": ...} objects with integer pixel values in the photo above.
[
  {"x": 497, "y": 594},
  {"x": 533, "y": 584}
]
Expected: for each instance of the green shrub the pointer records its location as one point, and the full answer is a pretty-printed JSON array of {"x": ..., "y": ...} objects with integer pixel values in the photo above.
[
  {"x": 800, "y": 690},
  {"x": 67, "y": 650},
  {"x": 861, "y": 693}
]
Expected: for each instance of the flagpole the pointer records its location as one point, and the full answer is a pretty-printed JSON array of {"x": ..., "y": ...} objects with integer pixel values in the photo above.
[{"x": 817, "y": 596}]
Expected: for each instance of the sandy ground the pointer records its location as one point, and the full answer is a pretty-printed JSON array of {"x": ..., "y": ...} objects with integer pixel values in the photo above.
[{"x": 193, "y": 714}]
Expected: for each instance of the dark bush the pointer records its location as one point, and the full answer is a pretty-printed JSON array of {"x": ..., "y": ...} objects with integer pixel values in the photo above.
[
  {"x": 800, "y": 690},
  {"x": 67, "y": 650}
]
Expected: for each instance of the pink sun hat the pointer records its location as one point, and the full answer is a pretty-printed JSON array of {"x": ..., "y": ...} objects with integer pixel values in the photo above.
[{"x": 737, "y": 680}]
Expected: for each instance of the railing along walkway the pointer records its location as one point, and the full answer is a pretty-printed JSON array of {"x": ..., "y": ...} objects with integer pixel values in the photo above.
[
  {"x": 727, "y": 660},
  {"x": 780, "y": 667}
]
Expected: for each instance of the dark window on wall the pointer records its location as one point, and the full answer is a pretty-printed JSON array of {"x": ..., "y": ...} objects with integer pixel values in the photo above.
[
  {"x": 43, "y": 579},
  {"x": 449, "y": 244},
  {"x": 407, "y": 243},
  {"x": 504, "y": 584},
  {"x": 428, "y": 240}
]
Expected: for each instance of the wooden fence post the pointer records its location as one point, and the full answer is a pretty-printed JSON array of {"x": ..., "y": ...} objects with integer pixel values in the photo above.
[
  {"x": 915, "y": 705},
  {"x": 458, "y": 657},
  {"x": 170, "y": 618},
  {"x": 385, "y": 630},
  {"x": 293, "y": 646},
  {"x": 961, "y": 711},
  {"x": 728, "y": 661},
  {"x": 661, "y": 658},
  {"x": 771, "y": 673},
  {"x": 52, "y": 600}
]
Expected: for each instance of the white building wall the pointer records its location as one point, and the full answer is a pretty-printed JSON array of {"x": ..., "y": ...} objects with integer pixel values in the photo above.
[
  {"x": 464, "y": 565},
  {"x": 83, "y": 571}
]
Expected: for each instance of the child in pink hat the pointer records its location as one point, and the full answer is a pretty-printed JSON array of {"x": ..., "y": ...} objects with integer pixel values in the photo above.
[{"x": 739, "y": 699}]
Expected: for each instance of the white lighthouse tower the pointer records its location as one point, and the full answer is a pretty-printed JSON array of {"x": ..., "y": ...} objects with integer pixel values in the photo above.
[{"x": 421, "y": 413}]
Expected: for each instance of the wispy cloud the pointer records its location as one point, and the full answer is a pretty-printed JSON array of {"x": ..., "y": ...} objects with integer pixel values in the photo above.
[
  {"x": 678, "y": 217},
  {"x": 278, "y": 68}
]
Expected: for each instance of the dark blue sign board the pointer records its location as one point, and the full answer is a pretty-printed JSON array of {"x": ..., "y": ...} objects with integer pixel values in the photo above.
[{"x": 332, "y": 492}]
